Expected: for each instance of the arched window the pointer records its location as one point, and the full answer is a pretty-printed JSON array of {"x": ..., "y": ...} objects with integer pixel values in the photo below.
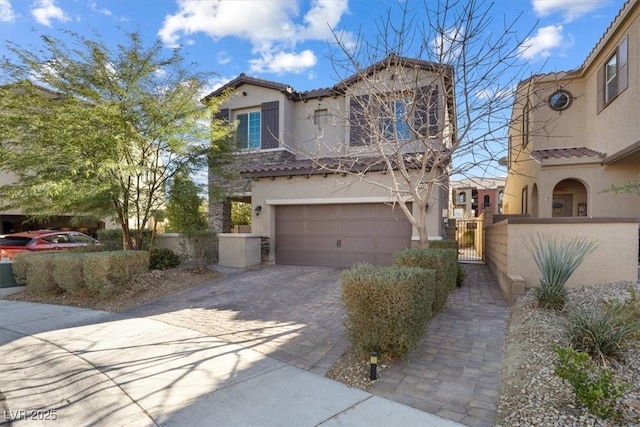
[
  {"x": 462, "y": 197},
  {"x": 487, "y": 201}
]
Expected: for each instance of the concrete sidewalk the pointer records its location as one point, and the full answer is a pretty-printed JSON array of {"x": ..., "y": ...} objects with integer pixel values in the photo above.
[{"x": 85, "y": 367}]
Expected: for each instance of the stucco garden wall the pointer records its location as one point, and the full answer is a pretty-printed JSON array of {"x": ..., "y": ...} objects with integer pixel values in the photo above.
[{"x": 615, "y": 259}]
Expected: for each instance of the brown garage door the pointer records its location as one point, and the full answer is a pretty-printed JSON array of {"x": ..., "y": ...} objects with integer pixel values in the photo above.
[{"x": 340, "y": 235}]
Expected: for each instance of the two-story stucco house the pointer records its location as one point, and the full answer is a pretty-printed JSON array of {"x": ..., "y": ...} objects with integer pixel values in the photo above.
[
  {"x": 575, "y": 134},
  {"x": 297, "y": 151}
]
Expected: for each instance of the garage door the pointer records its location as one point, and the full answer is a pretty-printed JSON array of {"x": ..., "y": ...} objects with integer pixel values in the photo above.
[{"x": 340, "y": 235}]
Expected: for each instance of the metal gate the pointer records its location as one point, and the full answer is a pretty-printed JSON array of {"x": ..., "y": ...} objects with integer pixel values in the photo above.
[{"x": 469, "y": 234}]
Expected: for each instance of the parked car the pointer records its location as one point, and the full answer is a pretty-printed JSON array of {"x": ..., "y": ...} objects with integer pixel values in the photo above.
[{"x": 42, "y": 240}]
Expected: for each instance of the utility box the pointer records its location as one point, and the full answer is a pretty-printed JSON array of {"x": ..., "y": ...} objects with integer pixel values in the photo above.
[{"x": 6, "y": 275}]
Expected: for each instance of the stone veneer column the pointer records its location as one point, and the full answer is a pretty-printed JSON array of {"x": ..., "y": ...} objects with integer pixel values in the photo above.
[{"x": 220, "y": 216}]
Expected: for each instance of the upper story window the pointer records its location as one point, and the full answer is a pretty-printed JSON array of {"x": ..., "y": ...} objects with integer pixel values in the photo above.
[
  {"x": 525, "y": 124},
  {"x": 612, "y": 76},
  {"x": 486, "y": 201},
  {"x": 249, "y": 130},
  {"x": 320, "y": 117},
  {"x": 401, "y": 118},
  {"x": 462, "y": 197},
  {"x": 395, "y": 121}
]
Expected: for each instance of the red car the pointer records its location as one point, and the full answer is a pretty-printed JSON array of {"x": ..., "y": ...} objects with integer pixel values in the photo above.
[{"x": 42, "y": 240}]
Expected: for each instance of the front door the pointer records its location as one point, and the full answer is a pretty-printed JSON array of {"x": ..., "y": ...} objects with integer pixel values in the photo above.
[{"x": 562, "y": 205}]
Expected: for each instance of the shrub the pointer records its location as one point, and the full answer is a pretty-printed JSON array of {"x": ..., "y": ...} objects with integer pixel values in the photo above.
[
  {"x": 557, "y": 260},
  {"x": 111, "y": 240},
  {"x": 203, "y": 246},
  {"x": 451, "y": 244},
  {"x": 106, "y": 273},
  {"x": 595, "y": 387},
  {"x": 443, "y": 261},
  {"x": 468, "y": 238},
  {"x": 387, "y": 309},
  {"x": 163, "y": 259},
  {"x": 67, "y": 272},
  {"x": 20, "y": 267},
  {"x": 601, "y": 332},
  {"x": 39, "y": 272}
]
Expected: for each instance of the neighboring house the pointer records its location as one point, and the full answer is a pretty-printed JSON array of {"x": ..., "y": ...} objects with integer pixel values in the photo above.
[
  {"x": 575, "y": 134},
  {"x": 470, "y": 197},
  {"x": 290, "y": 145}
]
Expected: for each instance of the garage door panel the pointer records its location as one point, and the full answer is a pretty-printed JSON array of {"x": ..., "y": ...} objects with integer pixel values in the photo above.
[
  {"x": 295, "y": 212},
  {"x": 323, "y": 227},
  {"x": 291, "y": 226},
  {"x": 362, "y": 244},
  {"x": 392, "y": 228},
  {"x": 357, "y": 211},
  {"x": 358, "y": 227},
  {"x": 322, "y": 211}
]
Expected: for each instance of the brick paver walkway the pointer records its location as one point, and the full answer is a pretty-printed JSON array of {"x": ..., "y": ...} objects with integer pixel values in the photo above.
[
  {"x": 295, "y": 314},
  {"x": 455, "y": 371}
]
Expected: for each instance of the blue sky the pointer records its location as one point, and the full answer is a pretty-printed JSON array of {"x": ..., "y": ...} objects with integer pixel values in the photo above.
[{"x": 286, "y": 40}]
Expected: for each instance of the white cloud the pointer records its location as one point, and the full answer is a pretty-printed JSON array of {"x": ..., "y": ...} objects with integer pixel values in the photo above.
[
  {"x": 543, "y": 42},
  {"x": 44, "y": 11},
  {"x": 223, "y": 58},
  {"x": 569, "y": 9},
  {"x": 275, "y": 37},
  {"x": 282, "y": 62},
  {"x": 6, "y": 11},
  {"x": 94, "y": 6}
]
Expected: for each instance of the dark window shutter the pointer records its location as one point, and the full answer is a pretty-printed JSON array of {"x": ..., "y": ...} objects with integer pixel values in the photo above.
[
  {"x": 223, "y": 114},
  {"x": 434, "y": 126},
  {"x": 421, "y": 114},
  {"x": 357, "y": 120},
  {"x": 623, "y": 79},
  {"x": 270, "y": 124},
  {"x": 600, "y": 82}
]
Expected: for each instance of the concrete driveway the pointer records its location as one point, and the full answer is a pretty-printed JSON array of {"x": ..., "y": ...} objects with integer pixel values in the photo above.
[{"x": 291, "y": 313}]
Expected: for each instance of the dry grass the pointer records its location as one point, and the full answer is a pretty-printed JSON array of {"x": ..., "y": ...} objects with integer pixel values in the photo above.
[{"x": 154, "y": 285}]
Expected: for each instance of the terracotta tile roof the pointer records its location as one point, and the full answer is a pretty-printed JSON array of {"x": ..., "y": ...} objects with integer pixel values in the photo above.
[
  {"x": 326, "y": 165},
  {"x": 565, "y": 153}
]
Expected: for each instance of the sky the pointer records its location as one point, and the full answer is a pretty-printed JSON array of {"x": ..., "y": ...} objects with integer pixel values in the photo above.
[
  {"x": 290, "y": 41},
  {"x": 287, "y": 40}
]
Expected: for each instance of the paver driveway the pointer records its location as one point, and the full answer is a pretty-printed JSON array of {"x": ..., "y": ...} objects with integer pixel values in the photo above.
[{"x": 291, "y": 313}]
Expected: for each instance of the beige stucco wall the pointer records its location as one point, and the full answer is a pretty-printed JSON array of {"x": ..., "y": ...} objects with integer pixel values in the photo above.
[
  {"x": 615, "y": 259},
  {"x": 317, "y": 189},
  {"x": 512, "y": 264},
  {"x": 611, "y": 130}
]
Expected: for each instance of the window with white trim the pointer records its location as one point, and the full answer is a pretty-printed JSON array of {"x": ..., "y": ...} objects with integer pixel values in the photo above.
[
  {"x": 249, "y": 130},
  {"x": 613, "y": 76},
  {"x": 395, "y": 121}
]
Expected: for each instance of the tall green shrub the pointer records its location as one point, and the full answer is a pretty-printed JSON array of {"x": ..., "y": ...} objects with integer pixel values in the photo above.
[
  {"x": 387, "y": 308},
  {"x": 67, "y": 272},
  {"x": 557, "y": 259},
  {"x": 39, "y": 272},
  {"x": 443, "y": 261},
  {"x": 106, "y": 273},
  {"x": 451, "y": 244}
]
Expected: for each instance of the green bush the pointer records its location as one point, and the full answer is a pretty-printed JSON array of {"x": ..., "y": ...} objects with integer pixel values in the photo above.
[
  {"x": 601, "y": 332},
  {"x": 111, "y": 239},
  {"x": 469, "y": 238},
  {"x": 67, "y": 272},
  {"x": 203, "y": 247},
  {"x": 106, "y": 273},
  {"x": 35, "y": 271},
  {"x": 20, "y": 267},
  {"x": 557, "y": 260},
  {"x": 595, "y": 387},
  {"x": 443, "y": 261},
  {"x": 163, "y": 259},
  {"x": 451, "y": 244},
  {"x": 387, "y": 308}
]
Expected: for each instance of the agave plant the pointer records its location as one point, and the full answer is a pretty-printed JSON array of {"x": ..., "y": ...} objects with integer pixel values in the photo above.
[{"x": 557, "y": 259}]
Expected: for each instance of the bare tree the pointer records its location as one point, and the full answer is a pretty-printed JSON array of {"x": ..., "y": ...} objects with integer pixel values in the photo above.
[{"x": 436, "y": 103}]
